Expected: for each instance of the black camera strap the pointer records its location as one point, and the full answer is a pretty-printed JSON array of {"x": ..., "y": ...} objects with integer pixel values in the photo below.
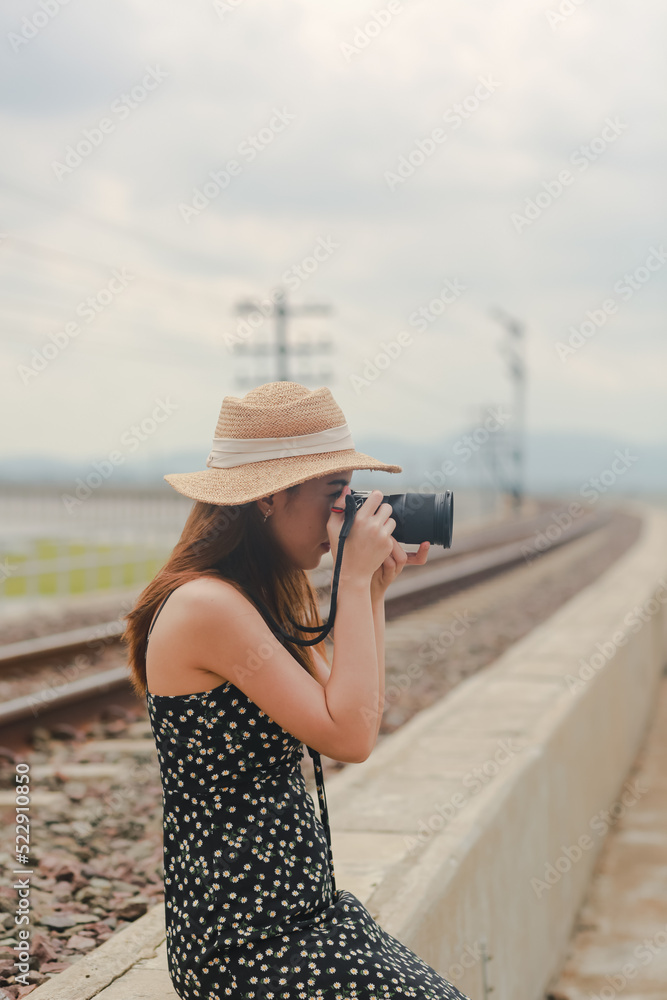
[{"x": 323, "y": 630}]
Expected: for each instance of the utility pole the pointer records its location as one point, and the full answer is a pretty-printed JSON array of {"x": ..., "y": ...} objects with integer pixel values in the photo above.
[
  {"x": 281, "y": 348},
  {"x": 491, "y": 462},
  {"x": 486, "y": 445},
  {"x": 514, "y": 351}
]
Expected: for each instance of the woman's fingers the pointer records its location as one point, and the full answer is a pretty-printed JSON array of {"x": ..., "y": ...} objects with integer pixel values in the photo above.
[
  {"x": 420, "y": 555},
  {"x": 400, "y": 557},
  {"x": 398, "y": 553}
]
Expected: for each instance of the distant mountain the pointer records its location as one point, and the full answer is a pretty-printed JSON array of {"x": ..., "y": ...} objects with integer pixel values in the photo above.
[{"x": 554, "y": 462}]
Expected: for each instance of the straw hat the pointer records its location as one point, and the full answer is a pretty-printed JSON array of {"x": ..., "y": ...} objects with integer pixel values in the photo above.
[{"x": 277, "y": 435}]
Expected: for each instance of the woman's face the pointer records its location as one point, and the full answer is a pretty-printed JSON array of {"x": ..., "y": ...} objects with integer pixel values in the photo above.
[{"x": 298, "y": 521}]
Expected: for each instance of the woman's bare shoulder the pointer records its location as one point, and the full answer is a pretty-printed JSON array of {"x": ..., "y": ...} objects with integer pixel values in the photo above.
[
  {"x": 198, "y": 602},
  {"x": 210, "y": 587}
]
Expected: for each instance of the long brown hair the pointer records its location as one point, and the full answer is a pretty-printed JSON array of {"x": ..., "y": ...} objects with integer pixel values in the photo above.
[{"x": 234, "y": 544}]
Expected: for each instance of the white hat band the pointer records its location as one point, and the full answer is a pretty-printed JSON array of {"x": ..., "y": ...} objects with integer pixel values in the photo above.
[{"x": 227, "y": 453}]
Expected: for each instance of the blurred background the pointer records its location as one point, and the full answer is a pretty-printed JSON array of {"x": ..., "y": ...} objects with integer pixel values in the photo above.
[{"x": 450, "y": 215}]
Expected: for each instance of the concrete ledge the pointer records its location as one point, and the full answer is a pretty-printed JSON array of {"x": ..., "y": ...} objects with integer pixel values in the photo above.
[
  {"x": 492, "y": 869},
  {"x": 124, "y": 952},
  {"x": 446, "y": 833}
]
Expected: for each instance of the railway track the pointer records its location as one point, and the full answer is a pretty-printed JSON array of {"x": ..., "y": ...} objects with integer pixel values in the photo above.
[{"x": 479, "y": 555}]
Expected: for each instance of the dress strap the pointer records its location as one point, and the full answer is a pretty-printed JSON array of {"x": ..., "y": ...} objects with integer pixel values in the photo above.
[
  {"x": 162, "y": 603},
  {"x": 319, "y": 779}
]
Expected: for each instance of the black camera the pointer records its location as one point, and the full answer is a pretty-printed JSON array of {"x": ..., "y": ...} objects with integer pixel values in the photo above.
[{"x": 420, "y": 517}]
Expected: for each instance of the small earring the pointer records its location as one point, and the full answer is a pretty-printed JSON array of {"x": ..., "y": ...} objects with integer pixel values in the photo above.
[{"x": 266, "y": 514}]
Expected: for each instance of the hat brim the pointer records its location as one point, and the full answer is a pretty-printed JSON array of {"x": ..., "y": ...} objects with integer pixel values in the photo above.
[{"x": 245, "y": 483}]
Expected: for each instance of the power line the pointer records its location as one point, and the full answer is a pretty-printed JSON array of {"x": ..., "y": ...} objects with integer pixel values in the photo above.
[
  {"x": 168, "y": 346},
  {"x": 39, "y": 250},
  {"x": 61, "y": 204}
]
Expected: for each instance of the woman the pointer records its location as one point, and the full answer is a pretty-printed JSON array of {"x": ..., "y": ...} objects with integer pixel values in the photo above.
[{"x": 251, "y": 905}]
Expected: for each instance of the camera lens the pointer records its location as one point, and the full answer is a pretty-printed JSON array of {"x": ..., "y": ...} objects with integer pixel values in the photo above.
[{"x": 444, "y": 517}]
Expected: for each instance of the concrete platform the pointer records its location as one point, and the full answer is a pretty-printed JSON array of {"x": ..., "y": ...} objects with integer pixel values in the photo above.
[{"x": 620, "y": 940}]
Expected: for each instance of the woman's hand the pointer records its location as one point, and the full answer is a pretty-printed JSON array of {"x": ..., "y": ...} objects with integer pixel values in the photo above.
[
  {"x": 369, "y": 540},
  {"x": 393, "y": 564}
]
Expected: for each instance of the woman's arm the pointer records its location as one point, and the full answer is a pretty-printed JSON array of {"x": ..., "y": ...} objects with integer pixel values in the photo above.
[
  {"x": 377, "y": 603},
  {"x": 352, "y": 689},
  {"x": 323, "y": 671}
]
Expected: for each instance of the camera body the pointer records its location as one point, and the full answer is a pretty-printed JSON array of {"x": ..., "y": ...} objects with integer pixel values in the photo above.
[{"x": 420, "y": 517}]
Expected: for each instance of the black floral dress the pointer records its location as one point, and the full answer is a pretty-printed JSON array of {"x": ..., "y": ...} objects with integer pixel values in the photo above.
[{"x": 251, "y": 905}]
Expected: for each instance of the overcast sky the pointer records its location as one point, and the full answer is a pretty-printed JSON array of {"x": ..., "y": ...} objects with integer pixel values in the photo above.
[{"x": 449, "y": 158}]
